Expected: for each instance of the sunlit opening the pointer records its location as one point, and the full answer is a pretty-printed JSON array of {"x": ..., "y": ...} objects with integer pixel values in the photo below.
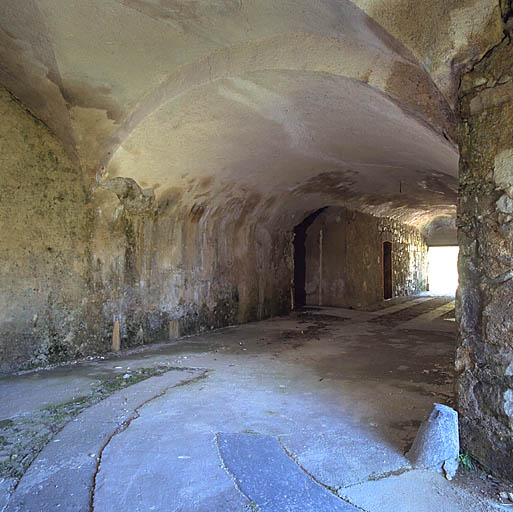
[{"x": 443, "y": 270}]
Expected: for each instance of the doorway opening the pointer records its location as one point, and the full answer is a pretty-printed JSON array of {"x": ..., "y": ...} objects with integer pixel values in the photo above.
[
  {"x": 387, "y": 270},
  {"x": 300, "y": 258},
  {"x": 443, "y": 270}
]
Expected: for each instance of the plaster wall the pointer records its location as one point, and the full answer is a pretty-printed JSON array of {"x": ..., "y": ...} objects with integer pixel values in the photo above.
[
  {"x": 78, "y": 254},
  {"x": 344, "y": 260},
  {"x": 44, "y": 226},
  {"x": 177, "y": 268}
]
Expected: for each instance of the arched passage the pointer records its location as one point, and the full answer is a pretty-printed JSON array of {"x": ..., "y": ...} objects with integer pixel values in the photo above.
[{"x": 170, "y": 149}]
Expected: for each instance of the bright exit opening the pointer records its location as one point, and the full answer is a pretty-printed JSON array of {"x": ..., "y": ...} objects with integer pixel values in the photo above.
[{"x": 443, "y": 270}]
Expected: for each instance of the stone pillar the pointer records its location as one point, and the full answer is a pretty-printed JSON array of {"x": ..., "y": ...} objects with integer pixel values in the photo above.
[{"x": 484, "y": 361}]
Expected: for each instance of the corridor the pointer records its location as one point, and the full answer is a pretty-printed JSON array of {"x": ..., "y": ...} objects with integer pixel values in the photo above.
[{"x": 312, "y": 411}]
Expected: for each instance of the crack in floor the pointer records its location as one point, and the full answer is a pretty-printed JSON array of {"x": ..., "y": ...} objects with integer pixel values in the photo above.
[
  {"x": 124, "y": 426},
  {"x": 315, "y": 479},
  {"x": 230, "y": 474},
  {"x": 84, "y": 403},
  {"x": 234, "y": 477},
  {"x": 94, "y": 485},
  {"x": 381, "y": 476}
]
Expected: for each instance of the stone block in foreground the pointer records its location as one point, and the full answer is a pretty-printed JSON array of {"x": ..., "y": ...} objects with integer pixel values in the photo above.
[{"x": 437, "y": 443}]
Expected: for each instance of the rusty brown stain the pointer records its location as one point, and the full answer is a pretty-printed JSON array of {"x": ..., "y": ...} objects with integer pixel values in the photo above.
[
  {"x": 249, "y": 205},
  {"x": 196, "y": 212},
  {"x": 336, "y": 184},
  {"x": 170, "y": 197},
  {"x": 205, "y": 182},
  {"x": 423, "y": 96}
]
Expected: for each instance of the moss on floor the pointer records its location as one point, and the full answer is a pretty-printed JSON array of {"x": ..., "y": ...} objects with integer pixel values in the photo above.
[{"x": 23, "y": 437}]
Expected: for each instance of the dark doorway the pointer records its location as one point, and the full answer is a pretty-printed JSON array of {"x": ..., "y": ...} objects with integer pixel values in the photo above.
[
  {"x": 300, "y": 258},
  {"x": 387, "y": 270}
]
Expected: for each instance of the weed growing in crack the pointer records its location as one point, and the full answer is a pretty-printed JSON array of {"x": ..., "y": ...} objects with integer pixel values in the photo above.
[{"x": 466, "y": 461}]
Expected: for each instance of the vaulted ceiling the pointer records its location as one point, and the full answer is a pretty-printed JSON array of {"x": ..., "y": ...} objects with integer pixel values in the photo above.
[{"x": 296, "y": 104}]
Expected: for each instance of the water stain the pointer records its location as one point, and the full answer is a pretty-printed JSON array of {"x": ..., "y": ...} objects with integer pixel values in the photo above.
[{"x": 82, "y": 94}]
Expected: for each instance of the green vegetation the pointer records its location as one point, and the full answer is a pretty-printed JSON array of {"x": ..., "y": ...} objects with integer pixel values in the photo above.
[
  {"x": 23, "y": 437},
  {"x": 466, "y": 461}
]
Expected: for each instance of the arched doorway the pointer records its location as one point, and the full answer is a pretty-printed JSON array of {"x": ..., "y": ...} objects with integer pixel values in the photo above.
[{"x": 387, "y": 270}]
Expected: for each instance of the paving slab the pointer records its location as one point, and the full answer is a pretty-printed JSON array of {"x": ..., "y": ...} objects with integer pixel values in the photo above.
[
  {"x": 345, "y": 464},
  {"x": 353, "y": 315},
  {"x": 33, "y": 390},
  {"x": 399, "y": 307},
  {"x": 171, "y": 441},
  {"x": 156, "y": 475},
  {"x": 270, "y": 479},
  {"x": 6, "y": 488},
  {"x": 414, "y": 491},
  {"x": 343, "y": 398},
  {"x": 62, "y": 476},
  {"x": 431, "y": 320}
]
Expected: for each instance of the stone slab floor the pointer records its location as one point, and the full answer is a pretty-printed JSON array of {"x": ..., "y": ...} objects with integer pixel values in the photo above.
[{"x": 310, "y": 412}]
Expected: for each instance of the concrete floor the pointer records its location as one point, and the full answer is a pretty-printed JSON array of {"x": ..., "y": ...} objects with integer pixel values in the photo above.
[{"x": 308, "y": 412}]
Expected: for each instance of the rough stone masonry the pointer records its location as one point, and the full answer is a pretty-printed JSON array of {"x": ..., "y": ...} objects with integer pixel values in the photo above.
[{"x": 485, "y": 353}]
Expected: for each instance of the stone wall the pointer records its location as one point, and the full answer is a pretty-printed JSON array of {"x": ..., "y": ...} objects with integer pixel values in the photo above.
[
  {"x": 344, "y": 258},
  {"x": 176, "y": 268},
  {"x": 78, "y": 254},
  {"x": 44, "y": 225},
  {"x": 485, "y": 355}
]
